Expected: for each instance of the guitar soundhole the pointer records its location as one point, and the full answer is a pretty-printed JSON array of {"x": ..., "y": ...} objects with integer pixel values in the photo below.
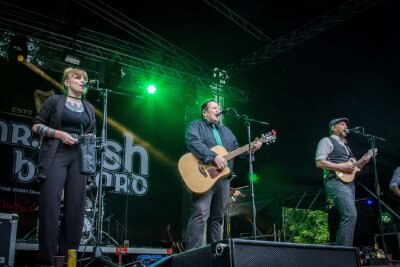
[{"x": 214, "y": 172}]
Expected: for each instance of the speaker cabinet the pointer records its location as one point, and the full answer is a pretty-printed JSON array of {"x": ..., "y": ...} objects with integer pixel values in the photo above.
[
  {"x": 8, "y": 233},
  {"x": 254, "y": 253}
]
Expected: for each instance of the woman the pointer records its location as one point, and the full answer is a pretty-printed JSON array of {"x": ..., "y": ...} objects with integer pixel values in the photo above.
[{"x": 61, "y": 119}]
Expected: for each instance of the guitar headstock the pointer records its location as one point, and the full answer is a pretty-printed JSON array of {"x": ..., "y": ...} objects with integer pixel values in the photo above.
[{"x": 268, "y": 138}]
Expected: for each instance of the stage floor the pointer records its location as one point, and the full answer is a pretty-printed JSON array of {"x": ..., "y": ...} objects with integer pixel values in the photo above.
[
  {"x": 25, "y": 254},
  {"x": 105, "y": 249}
]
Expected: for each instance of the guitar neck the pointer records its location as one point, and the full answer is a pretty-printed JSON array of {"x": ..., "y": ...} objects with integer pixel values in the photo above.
[
  {"x": 237, "y": 152},
  {"x": 359, "y": 162},
  {"x": 370, "y": 152}
]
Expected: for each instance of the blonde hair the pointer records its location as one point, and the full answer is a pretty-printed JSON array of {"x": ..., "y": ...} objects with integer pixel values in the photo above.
[{"x": 74, "y": 72}]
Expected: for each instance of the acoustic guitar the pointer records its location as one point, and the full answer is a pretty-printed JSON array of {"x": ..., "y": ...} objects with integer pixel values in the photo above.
[
  {"x": 199, "y": 177},
  {"x": 349, "y": 177}
]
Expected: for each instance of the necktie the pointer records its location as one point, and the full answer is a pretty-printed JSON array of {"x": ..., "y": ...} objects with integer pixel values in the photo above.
[{"x": 217, "y": 136}]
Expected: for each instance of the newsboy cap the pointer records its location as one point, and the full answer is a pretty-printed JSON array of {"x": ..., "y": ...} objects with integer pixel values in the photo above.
[{"x": 335, "y": 121}]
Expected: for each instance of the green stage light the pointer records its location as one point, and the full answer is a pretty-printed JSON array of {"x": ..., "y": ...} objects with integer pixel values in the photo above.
[
  {"x": 151, "y": 89},
  {"x": 386, "y": 218},
  {"x": 254, "y": 177}
]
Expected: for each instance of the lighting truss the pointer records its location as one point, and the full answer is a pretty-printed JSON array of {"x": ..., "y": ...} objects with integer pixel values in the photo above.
[
  {"x": 97, "y": 48},
  {"x": 300, "y": 35}
]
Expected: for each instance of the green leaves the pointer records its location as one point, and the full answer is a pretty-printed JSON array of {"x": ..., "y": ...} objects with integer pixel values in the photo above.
[{"x": 306, "y": 226}]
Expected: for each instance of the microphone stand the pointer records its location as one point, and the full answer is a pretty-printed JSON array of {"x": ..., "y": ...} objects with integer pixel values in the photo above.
[
  {"x": 247, "y": 122},
  {"x": 97, "y": 252},
  {"x": 372, "y": 139}
]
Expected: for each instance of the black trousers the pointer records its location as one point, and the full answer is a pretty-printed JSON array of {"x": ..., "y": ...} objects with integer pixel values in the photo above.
[{"x": 57, "y": 236}]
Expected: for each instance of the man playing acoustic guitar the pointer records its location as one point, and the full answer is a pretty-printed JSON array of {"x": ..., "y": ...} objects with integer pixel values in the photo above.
[
  {"x": 201, "y": 136},
  {"x": 333, "y": 156}
]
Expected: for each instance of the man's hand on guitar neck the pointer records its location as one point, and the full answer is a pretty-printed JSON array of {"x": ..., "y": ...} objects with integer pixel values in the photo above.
[
  {"x": 256, "y": 145},
  {"x": 366, "y": 158}
]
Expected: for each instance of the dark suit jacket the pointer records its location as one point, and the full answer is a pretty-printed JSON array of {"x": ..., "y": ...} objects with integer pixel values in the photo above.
[{"x": 50, "y": 115}]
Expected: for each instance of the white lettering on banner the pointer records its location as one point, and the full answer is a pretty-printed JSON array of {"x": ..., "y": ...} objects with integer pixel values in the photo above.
[
  {"x": 24, "y": 168},
  {"x": 23, "y": 111},
  {"x": 119, "y": 161},
  {"x": 135, "y": 151},
  {"x": 5, "y": 188},
  {"x": 112, "y": 160},
  {"x": 21, "y": 134},
  {"x": 3, "y": 131},
  {"x": 128, "y": 181},
  {"x": 131, "y": 184},
  {"x": 121, "y": 182},
  {"x": 139, "y": 185}
]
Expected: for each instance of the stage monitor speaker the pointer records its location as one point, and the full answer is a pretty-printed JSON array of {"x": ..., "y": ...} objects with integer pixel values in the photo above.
[
  {"x": 8, "y": 233},
  {"x": 254, "y": 253}
]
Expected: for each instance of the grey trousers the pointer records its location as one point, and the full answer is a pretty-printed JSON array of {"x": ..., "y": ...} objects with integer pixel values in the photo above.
[
  {"x": 343, "y": 196},
  {"x": 207, "y": 207}
]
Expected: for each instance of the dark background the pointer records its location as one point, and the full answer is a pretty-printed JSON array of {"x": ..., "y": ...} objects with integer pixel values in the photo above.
[{"x": 348, "y": 70}]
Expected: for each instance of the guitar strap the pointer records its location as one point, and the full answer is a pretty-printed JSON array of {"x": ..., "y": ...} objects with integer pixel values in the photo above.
[
  {"x": 217, "y": 135},
  {"x": 349, "y": 150}
]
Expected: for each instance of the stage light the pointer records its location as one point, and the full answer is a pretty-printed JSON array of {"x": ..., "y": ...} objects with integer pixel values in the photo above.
[
  {"x": 151, "y": 89},
  {"x": 386, "y": 218},
  {"x": 18, "y": 48},
  {"x": 21, "y": 58},
  {"x": 254, "y": 177},
  {"x": 73, "y": 58},
  {"x": 370, "y": 202}
]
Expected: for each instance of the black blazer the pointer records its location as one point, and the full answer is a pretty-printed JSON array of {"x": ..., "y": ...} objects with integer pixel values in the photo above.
[{"x": 50, "y": 115}]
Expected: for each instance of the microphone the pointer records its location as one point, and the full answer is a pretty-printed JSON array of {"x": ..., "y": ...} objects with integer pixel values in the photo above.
[
  {"x": 223, "y": 112},
  {"x": 91, "y": 82},
  {"x": 353, "y": 130}
]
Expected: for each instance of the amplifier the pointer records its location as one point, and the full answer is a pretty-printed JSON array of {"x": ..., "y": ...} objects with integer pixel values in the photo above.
[{"x": 8, "y": 233}]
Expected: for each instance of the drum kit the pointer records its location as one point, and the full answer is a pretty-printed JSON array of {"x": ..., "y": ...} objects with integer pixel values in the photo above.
[{"x": 88, "y": 223}]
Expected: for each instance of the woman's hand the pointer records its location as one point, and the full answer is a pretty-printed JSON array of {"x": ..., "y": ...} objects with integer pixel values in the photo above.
[{"x": 66, "y": 138}]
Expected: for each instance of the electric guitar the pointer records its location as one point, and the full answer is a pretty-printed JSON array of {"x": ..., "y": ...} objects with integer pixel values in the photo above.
[
  {"x": 200, "y": 177},
  {"x": 349, "y": 177}
]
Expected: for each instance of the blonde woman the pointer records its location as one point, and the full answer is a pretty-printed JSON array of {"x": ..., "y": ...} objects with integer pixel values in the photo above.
[{"x": 60, "y": 120}]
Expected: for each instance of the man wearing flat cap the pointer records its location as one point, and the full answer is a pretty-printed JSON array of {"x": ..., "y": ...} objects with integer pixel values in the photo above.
[{"x": 332, "y": 155}]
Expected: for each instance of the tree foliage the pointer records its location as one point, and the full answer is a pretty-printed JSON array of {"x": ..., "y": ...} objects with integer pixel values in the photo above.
[{"x": 306, "y": 226}]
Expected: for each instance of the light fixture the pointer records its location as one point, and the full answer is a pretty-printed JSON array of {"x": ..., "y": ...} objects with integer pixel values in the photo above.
[
  {"x": 73, "y": 58},
  {"x": 151, "y": 89},
  {"x": 386, "y": 218},
  {"x": 18, "y": 48}
]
